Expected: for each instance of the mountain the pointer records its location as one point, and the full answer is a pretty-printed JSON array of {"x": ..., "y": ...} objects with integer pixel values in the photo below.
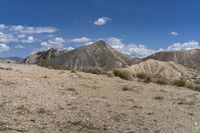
[
  {"x": 46, "y": 56},
  {"x": 99, "y": 55},
  {"x": 190, "y": 58},
  {"x": 169, "y": 70},
  {"x": 11, "y": 59}
]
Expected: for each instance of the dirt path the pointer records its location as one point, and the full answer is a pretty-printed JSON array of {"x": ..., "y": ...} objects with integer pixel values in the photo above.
[{"x": 35, "y": 99}]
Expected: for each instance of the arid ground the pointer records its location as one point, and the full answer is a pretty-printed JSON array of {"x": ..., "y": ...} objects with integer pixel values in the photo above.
[{"x": 35, "y": 99}]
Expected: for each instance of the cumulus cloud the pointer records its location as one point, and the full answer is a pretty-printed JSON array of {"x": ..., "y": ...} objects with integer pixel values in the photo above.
[
  {"x": 70, "y": 48},
  {"x": 55, "y": 43},
  {"x": 88, "y": 43},
  {"x": 2, "y": 26},
  {"x": 32, "y": 30},
  {"x": 184, "y": 46},
  {"x": 135, "y": 50},
  {"x": 139, "y": 50},
  {"x": 101, "y": 21},
  {"x": 173, "y": 33},
  {"x": 6, "y": 38},
  {"x": 115, "y": 43},
  {"x": 80, "y": 40},
  {"x": 4, "y": 47},
  {"x": 29, "y": 39}
]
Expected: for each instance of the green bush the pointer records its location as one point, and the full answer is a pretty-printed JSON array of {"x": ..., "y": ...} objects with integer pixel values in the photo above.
[{"x": 179, "y": 83}]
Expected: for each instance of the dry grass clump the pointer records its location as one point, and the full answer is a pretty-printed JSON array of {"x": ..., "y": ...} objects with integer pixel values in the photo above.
[
  {"x": 160, "y": 80},
  {"x": 145, "y": 77},
  {"x": 7, "y": 68},
  {"x": 123, "y": 74},
  {"x": 110, "y": 74},
  {"x": 193, "y": 86},
  {"x": 73, "y": 71},
  {"x": 95, "y": 70},
  {"x": 159, "y": 97},
  {"x": 126, "y": 88},
  {"x": 179, "y": 83}
]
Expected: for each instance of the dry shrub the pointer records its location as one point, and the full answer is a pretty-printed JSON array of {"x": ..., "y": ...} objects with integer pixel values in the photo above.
[
  {"x": 141, "y": 75},
  {"x": 73, "y": 71},
  {"x": 110, "y": 74},
  {"x": 160, "y": 80},
  {"x": 145, "y": 77},
  {"x": 179, "y": 83},
  {"x": 193, "y": 86},
  {"x": 123, "y": 74},
  {"x": 125, "y": 88},
  {"x": 95, "y": 70},
  {"x": 159, "y": 97}
]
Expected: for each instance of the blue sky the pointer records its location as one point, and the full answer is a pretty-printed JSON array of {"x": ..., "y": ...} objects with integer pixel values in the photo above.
[{"x": 135, "y": 27}]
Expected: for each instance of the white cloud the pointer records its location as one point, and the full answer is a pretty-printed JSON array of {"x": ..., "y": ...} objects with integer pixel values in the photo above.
[
  {"x": 69, "y": 48},
  {"x": 173, "y": 33},
  {"x": 4, "y": 47},
  {"x": 101, "y": 21},
  {"x": 80, "y": 40},
  {"x": 29, "y": 39},
  {"x": 55, "y": 43},
  {"x": 184, "y": 46},
  {"x": 115, "y": 43},
  {"x": 88, "y": 43},
  {"x": 139, "y": 50},
  {"x": 21, "y": 36},
  {"x": 2, "y": 26},
  {"x": 6, "y": 38},
  {"x": 19, "y": 46},
  {"x": 32, "y": 30},
  {"x": 135, "y": 50}
]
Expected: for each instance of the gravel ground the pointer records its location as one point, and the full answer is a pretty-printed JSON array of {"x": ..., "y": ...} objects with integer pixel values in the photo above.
[{"x": 39, "y": 100}]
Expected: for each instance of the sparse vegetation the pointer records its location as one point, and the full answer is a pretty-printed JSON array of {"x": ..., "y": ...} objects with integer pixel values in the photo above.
[
  {"x": 44, "y": 76},
  {"x": 179, "y": 83},
  {"x": 126, "y": 88},
  {"x": 145, "y": 77},
  {"x": 159, "y": 97},
  {"x": 141, "y": 75},
  {"x": 95, "y": 70},
  {"x": 123, "y": 74},
  {"x": 193, "y": 86},
  {"x": 110, "y": 74},
  {"x": 73, "y": 71},
  {"x": 7, "y": 68}
]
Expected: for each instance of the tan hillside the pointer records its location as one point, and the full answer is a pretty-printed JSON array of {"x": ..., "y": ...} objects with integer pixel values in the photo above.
[
  {"x": 189, "y": 58},
  {"x": 169, "y": 70},
  {"x": 34, "y": 99}
]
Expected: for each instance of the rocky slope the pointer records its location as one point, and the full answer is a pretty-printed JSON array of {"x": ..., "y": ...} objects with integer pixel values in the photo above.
[
  {"x": 99, "y": 55},
  {"x": 190, "y": 58},
  {"x": 47, "y": 55},
  {"x": 169, "y": 70}
]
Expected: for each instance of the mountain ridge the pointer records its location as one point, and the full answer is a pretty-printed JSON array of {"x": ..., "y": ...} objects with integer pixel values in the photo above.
[{"x": 99, "y": 55}]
